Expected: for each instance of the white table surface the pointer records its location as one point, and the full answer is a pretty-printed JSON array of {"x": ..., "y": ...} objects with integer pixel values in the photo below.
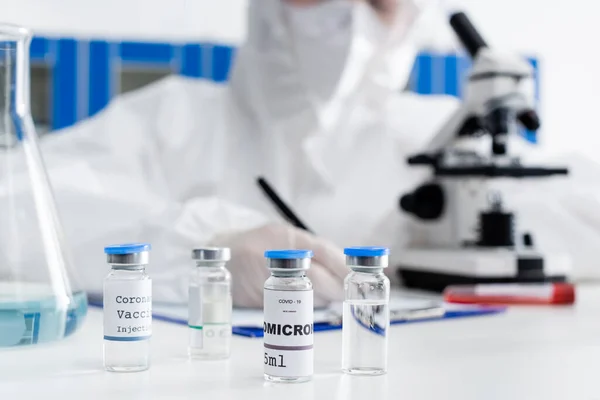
[{"x": 526, "y": 353}]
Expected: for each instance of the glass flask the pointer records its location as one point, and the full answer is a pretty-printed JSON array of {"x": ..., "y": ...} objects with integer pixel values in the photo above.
[{"x": 38, "y": 302}]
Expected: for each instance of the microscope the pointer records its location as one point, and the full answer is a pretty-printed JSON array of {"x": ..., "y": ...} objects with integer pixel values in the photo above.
[{"x": 462, "y": 230}]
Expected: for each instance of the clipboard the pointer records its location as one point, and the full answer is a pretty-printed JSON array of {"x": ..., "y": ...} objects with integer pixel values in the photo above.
[
  {"x": 248, "y": 323},
  {"x": 410, "y": 317}
]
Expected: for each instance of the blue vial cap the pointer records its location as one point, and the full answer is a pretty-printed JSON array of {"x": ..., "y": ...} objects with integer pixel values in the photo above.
[
  {"x": 288, "y": 254},
  {"x": 130, "y": 248},
  {"x": 367, "y": 251}
]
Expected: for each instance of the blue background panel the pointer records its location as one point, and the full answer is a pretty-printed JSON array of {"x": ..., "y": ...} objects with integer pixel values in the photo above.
[
  {"x": 530, "y": 135},
  {"x": 146, "y": 53},
  {"x": 451, "y": 74},
  {"x": 64, "y": 84},
  {"x": 100, "y": 76},
  {"x": 433, "y": 73},
  {"x": 192, "y": 64},
  {"x": 424, "y": 66},
  {"x": 38, "y": 50},
  {"x": 222, "y": 59}
]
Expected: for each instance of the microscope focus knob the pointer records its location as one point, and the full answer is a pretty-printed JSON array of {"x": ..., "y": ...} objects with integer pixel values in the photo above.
[
  {"x": 426, "y": 202},
  {"x": 530, "y": 120},
  {"x": 527, "y": 240}
]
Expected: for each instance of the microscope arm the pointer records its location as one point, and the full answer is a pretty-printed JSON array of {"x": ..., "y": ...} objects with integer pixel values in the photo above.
[
  {"x": 448, "y": 134},
  {"x": 473, "y": 42},
  {"x": 498, "y": 96}
]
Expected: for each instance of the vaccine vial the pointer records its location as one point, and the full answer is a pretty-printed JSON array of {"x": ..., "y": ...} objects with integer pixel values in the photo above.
[
  {"x": 288, "y": 317},
  {"x": 127, "y": 309},
  {"x": 366, "y": 316},
  {"x": 209, "y": 307}
]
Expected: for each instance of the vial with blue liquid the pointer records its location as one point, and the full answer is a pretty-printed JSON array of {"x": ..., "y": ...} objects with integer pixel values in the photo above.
[
  {"x": 127, "y": 309},
  {"x": 366, "y": 317}
]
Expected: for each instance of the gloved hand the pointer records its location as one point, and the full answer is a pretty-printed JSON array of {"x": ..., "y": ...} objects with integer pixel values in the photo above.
[{"x": 248, "y": 265}]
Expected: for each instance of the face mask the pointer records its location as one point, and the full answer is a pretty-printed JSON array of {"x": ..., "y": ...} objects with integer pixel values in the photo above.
[
  {"x": 319, "y": 21},
  {"x": 343, "y": 50},
  {"x": 309, "y": 60},
  {"x": 321, "y": 36}
]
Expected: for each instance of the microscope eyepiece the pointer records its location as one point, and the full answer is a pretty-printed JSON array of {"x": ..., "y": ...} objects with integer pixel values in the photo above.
[{"x": 467, "y": 33}]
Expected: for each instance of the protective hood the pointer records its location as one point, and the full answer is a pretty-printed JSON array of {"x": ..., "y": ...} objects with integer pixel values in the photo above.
[{"x": 306, "y": 66}]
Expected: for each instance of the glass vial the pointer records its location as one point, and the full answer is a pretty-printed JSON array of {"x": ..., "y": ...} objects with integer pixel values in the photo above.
[
  {"x": 209, "y": 306},
  {"x": 366, "y": 317},
  {"x": 127, "y": 309},
  {"x": 288, "y": 315}
]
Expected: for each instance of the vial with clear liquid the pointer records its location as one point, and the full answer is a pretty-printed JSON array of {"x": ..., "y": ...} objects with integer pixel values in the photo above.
[
  {"x": 210, "y": 304},
  {"x": 366, "y": 317},
  {"x": 288, "y": 317},
  {"x": 127, "y": 309}
]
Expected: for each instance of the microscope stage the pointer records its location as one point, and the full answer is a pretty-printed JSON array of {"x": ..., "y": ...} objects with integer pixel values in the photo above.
[{"x": 434, "y": 269}]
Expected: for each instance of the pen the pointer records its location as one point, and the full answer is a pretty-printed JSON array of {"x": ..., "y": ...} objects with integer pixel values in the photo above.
[{"x": 280, "y": 205}]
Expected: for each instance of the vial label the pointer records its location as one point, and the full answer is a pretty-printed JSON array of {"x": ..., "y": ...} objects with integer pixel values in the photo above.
[
  {"x": 288, "y": 333},
  {"x": 128, "y": 310},
  {"x": 209, "y": 319},
  {"x": 195, "y": 308}
]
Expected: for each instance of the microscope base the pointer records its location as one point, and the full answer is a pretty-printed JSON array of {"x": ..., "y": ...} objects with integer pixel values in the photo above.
[{"x": 434, "y": 269}]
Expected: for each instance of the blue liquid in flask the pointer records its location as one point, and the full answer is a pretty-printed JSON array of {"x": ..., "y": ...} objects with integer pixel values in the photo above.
[{"x": 38, "y": 317}]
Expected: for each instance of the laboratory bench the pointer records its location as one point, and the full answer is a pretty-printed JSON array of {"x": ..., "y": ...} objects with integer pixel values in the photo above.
[{"x": 526, "y": 353}]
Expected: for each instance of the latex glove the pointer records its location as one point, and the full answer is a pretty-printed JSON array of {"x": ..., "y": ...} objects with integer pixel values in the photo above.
[{"x": 248, "y": 265}]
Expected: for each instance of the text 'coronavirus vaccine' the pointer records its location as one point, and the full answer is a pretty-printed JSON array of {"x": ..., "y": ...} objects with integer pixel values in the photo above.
[{"x": 127, "y": 309}]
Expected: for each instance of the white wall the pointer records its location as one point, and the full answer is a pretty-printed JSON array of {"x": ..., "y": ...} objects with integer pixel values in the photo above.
[
  {"x": 133, "y": 19},
  {"x": 560, "y": 33},
  {"x": 563, "y": 35}
]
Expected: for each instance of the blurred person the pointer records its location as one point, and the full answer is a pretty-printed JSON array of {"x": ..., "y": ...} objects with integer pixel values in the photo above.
[{"x": 314, "y": 104}]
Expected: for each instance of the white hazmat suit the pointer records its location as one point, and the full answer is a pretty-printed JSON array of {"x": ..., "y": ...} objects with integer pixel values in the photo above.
[{"x": 313, "y": 105}]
